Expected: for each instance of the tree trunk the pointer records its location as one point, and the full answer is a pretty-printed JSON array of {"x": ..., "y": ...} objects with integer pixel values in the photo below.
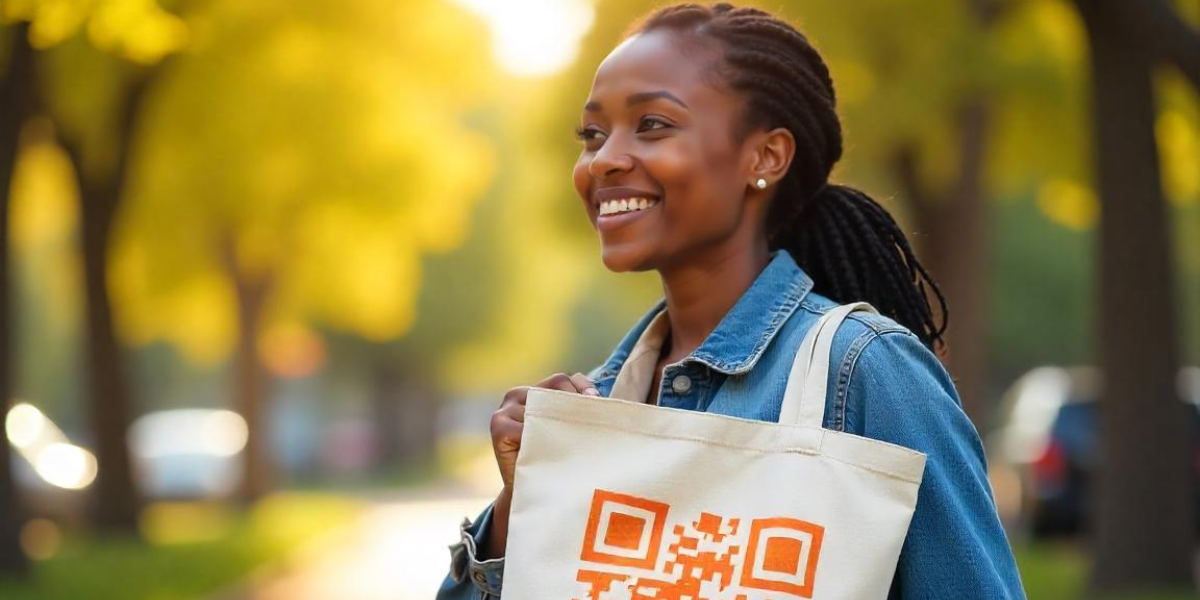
[
  {"x": 250, "y": 380},
  {"x": 115, "y": 500},
  {"x": 955, "y": 248},
  {"x": 16, "y": 103},
  {"x": 1144, "y": 518}
]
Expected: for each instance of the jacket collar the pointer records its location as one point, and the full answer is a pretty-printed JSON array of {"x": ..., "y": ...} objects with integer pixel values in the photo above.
[{"x": 738, "y": 341}]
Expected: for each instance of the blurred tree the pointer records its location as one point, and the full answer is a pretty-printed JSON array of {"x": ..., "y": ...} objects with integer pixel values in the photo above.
[
  {"x": 304, "y": 157},
  {"x": 1145, "y": 509},
  {"x": 96, "y": 128},
  {"x": 116, "y": 503},
  {"x": 16, "y": 106},
  {"x": 930, "y": 118}
]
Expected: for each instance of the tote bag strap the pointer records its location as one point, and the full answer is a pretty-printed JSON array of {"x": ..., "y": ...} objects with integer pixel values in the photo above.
[{"x": 804, "y": 396}]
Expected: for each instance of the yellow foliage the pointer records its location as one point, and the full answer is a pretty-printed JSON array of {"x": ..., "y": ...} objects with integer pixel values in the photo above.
[
  {"x": 455, "y": 181},
  {"x": 1180, "y": 144},
  {"x": 293, "y": 51},
  {"x": 324, "y": 147},
  {"x": 44, "y": 214},
  {"x": 51, "y": 21},
  {"x": 1177, "y": 130},
  {"x": 45, "y": 204},
  {"x": 1058, "y": 27},
  {"x": 136, "y": 29},
  {"x": 198, "y": 316},
  {"x": 359, "y": 271},
  {"x": 204, "y": 324},
  {"x": 139, "y": 30},
  {"x": 1068, "y": 203},
  {"x": 855, "y": 82}
]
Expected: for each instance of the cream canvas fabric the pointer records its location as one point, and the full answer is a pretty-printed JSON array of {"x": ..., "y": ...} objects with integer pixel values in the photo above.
[{"x": 621, "y": 500}]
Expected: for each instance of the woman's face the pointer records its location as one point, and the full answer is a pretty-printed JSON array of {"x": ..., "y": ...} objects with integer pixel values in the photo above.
[{"x": 658, "y": 133}]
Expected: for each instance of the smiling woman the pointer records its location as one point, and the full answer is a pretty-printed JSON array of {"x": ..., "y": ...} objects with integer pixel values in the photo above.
[
  {"x": 656, "y": 128},
  {"x": 708, "y": 139}
]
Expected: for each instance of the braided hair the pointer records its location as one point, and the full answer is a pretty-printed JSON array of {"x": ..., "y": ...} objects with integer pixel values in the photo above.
[{"x": 847, "y": 242}]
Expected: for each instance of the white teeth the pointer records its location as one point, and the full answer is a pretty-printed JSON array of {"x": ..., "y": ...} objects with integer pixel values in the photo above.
[{"x": 612, "y": 207}]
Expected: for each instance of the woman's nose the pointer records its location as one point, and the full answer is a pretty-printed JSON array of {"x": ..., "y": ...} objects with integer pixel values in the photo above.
[{"x": 610, "y": 159}]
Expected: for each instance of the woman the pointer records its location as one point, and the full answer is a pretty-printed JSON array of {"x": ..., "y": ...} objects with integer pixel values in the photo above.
[{"x": 708, "y": 139}]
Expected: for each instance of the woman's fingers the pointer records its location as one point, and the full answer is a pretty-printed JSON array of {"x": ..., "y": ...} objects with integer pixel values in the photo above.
[
  {"x": 508, "y": 422},
  {"x": 577, "y": 383},
  {"x": 558, "y": 381},
  {"x": 584, "y": 384},
  {"x": 506, "y": 432},
  {"x": 515, "y": 399}
]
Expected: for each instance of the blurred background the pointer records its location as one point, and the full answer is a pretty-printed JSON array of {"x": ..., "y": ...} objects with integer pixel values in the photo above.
[{"x": 268, "y": 267}]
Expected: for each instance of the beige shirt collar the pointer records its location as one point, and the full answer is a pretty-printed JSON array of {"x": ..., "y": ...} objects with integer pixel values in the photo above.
[{"x": 637, "y": 372}]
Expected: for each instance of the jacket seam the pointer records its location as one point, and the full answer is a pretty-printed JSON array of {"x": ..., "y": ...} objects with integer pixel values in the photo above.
[
  {"x": 843, "y": 394},
  {"x": 845, "y": 372}
]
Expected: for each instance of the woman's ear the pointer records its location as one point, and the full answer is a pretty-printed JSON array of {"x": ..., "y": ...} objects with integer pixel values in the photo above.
[{"x": 773, "y": 154}]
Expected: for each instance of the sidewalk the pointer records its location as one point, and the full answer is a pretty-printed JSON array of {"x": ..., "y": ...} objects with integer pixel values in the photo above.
[{"x": 395, "y": 551}]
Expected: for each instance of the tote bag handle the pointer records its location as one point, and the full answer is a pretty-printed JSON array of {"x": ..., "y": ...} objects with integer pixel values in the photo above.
[{"x": 804, "y": 396}]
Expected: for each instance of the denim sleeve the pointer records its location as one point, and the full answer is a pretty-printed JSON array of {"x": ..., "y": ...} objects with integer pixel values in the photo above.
[
  {"x": 470, "y": 578},
  {"x": 956, "y": 546}
]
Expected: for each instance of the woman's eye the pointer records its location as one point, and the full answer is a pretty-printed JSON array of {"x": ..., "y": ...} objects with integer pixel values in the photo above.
[
  {"x": 591, "y": 135},
  {"x": 588, "y": 134},
  {"x": 652, "y": 123}
]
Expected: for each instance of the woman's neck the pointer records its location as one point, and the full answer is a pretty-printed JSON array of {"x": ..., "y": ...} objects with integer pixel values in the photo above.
[{"x": 700, "y": 293}]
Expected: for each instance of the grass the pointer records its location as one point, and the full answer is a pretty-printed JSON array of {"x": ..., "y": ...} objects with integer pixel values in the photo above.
[
  {"x": 186, "y": 552},
  {"x": 1059, "y": 570},
  {"x": 1052, "y": 571}
]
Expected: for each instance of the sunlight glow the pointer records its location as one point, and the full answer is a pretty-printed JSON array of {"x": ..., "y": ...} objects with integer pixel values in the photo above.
[
  {"x": 24, "y": 425},
  {"x": 535, "y": 37},
  {"x": 66, "y": 465},
  {"x": 40, "y": 442}
]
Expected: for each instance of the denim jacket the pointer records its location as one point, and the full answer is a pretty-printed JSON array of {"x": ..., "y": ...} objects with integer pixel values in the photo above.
[{"x": 886, "y": 385}]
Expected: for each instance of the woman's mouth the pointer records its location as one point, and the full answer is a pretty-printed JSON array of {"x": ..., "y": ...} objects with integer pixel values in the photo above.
[
  {"x": 625, "y": 205},
  {"x": 616, "y": 213}
]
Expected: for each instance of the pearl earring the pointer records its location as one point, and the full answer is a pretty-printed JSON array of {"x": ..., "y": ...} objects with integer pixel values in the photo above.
[{"x": 761, "y": 183}]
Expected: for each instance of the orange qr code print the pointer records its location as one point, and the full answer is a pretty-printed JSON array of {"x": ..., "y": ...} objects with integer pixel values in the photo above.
[{"x": 633, "y": 550}]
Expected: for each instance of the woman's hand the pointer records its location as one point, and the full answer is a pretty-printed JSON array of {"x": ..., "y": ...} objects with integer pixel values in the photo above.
[{"x": 507, "y": 424}]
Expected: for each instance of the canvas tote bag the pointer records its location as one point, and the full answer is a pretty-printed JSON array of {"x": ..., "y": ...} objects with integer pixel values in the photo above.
[{"x": 619, "y": 500}]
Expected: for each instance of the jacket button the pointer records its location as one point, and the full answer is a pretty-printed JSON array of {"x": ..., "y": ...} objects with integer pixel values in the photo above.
[{"x": 681, "y": 384}]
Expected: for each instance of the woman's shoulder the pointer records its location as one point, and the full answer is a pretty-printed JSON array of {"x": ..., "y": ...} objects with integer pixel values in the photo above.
[
  {"x": 873, "y": 359},
  {"x": 857, "y": 325}
]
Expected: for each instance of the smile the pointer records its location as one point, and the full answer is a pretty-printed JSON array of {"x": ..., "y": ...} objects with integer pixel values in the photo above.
[{"x": 625, "y": 205}]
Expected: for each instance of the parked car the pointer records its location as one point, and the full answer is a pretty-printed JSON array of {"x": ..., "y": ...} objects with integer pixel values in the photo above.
[
  {"x": 1044, "y": 456},
  {"x": 188, "y": 453}
]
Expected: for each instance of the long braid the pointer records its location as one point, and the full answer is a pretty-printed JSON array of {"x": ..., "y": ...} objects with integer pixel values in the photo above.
[{"x": 848, "y": 243}]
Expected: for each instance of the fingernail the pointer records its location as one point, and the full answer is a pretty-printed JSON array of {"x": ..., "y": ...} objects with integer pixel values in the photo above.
[{"x": 591, "y": 392}]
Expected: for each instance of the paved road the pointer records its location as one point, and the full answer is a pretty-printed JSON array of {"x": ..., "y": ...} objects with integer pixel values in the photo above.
[{"x": 395, "y": 551}]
